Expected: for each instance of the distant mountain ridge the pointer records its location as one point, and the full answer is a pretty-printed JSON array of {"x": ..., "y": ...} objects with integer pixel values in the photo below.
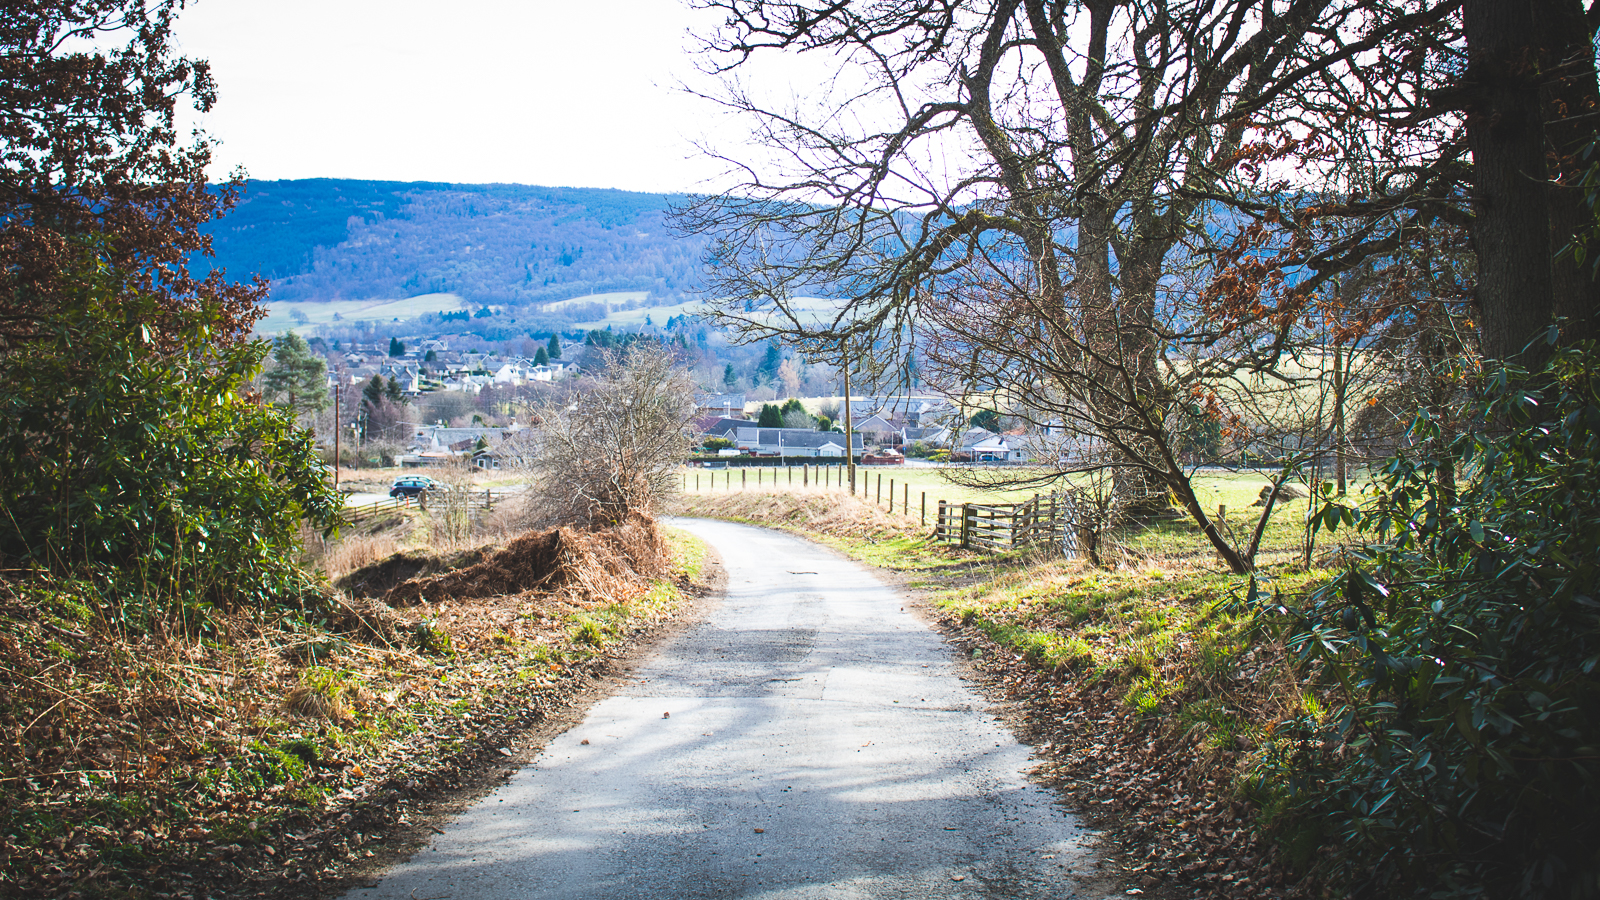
[{"x": 502, "y": 244}]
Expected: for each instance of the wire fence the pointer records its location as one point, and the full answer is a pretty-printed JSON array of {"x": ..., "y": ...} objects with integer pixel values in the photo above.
[{"x": 1044, "y": 519}]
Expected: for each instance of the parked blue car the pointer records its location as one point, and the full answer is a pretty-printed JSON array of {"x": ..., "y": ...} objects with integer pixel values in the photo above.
[{"x": 412, "y": 486}]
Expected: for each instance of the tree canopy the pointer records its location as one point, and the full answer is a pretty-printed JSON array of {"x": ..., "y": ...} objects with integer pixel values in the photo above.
[{"x": 89, "y": 148}]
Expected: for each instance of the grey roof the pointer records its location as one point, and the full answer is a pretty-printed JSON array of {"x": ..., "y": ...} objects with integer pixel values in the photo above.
[
  {"x": 725, "y": 426},
  {"x": 448, "y": 436},
  {"x": 798, "y": 438}
]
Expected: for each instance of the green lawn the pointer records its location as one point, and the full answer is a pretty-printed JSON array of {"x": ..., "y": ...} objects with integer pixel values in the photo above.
[
  {"x": 1178, "y": 541},
  {"x": 281, "y": 315}
]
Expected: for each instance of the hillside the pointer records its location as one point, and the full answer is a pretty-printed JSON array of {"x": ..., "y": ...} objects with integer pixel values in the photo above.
[{"x": 331, "y": 239}]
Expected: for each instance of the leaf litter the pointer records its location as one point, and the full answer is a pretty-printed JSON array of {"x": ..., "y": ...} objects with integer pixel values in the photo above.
[{"x": 276, "y": 756}]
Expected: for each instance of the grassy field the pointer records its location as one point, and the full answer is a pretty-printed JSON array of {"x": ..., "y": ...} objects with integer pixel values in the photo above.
[
  {"x": 634, "y": 318},
  {"x": 1172, "y": 541},
  {"x": 281, "y": 314}
]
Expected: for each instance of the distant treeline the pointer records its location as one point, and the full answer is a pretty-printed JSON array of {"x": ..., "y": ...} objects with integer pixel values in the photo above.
[{"x": 333, "y": 239}]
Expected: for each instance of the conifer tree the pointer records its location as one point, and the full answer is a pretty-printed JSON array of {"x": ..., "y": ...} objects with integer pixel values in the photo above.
[
  {"x": 298, "y": 381},
  {"x": 554, "y": 347},
  {"x": 373, "y": 391}
]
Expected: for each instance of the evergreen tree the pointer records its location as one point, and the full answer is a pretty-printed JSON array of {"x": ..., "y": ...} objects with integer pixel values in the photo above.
[
  {"x": 392, "y": 392},
  {"x": 554, "y": 347},
  {"x": 770, "y": 361},
  {"x": 541, "y": 358},
  {"x": 771, "y": 416},
  {"x": 373, "y": 391},
  {"x": 298, "y": 381},
  {"x": 729, "y": 379},
  {"x": 396, "y": 347}
]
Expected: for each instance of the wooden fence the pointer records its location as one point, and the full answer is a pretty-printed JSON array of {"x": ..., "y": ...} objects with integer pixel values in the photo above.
[
  {"x": 1004, "y": 526},
  {"x": 1045, "y": 519},
  {"x": 484, "y": 499}
]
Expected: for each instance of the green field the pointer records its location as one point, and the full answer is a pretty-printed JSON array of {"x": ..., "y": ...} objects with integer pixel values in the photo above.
[
  {"x": 1175, "y": 540},
  {"x": 281, "y": 314},
  {"x": 634, "y": 318},
  {"x": 1235, "y": 490}
]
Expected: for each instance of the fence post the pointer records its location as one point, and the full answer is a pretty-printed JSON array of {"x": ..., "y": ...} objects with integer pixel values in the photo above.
[
  {"x": 891, "y": 492},
  {"x": 905, "y": 499},
  {"x": 924, "y": 506},
  {"x": 805, "y": 474},
  {"x": 966, "y": 525}
]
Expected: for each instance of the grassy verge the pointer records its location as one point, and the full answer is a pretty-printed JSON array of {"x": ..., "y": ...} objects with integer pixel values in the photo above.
[
  {"x": 1148, "y": 693},
  {"x": 250, "y": 754}
]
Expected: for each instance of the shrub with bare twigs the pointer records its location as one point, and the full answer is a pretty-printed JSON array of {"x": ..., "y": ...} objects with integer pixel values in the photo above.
[{"x": 610, "y": 456}]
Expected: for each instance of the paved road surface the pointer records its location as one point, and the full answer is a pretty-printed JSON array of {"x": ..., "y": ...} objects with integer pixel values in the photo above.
[{"x": 820, "y": 744}]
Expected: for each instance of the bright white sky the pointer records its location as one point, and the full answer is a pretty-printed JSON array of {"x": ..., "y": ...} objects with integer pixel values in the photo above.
[{"x": 548, "y": 92}]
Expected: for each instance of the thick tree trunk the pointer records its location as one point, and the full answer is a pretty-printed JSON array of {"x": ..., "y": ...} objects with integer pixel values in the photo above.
[
  {"x": 1571, "y": 101},
  {"x": 1505, "y": 132},
  {"x": 1146, "y": 491}
]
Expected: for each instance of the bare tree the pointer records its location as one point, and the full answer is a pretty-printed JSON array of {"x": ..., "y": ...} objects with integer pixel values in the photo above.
[
  {"x": 610, "y": 455},
  {"x": 1009, "y": 188}
]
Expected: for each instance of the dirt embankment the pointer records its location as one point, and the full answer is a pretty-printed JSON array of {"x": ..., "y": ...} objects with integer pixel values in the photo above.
[{"x": 287, "y": 755}]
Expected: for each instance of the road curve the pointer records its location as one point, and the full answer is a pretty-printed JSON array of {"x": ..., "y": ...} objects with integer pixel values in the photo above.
[{"x": 809, "y": 739}]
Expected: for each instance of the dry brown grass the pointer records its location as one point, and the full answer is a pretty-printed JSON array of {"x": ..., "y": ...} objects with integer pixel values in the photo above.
[
  {"x": 358, "y": 551},
  {"x": 93, "y": 711},
  {"x": 806, "y": 509}
]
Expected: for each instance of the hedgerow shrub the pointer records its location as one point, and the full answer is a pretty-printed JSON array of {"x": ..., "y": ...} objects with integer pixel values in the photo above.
[
  {"x": 1456, "y": 748},
  {"x": 132, "y": 451}
]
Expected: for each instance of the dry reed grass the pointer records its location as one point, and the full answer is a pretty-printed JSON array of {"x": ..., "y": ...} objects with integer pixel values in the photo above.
[{"x": 807, "y": 509}]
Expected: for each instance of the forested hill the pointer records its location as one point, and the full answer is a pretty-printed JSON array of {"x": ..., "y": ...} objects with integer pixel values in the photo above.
[{"x": 333, "y": 239}]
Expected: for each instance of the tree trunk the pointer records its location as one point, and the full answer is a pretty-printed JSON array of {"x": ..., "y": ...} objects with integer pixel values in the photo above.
[
  {"x": 1340, "y": 382},
  {"x": 1505, "y": 133},
  {"x": 1571, "y": 101}
]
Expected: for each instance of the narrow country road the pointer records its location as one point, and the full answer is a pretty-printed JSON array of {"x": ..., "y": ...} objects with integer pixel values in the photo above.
[{"x": 809, "y": 739}]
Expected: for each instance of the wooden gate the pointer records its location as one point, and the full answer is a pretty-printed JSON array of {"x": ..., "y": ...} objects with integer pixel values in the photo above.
[{"x": 1005, "y": 526}]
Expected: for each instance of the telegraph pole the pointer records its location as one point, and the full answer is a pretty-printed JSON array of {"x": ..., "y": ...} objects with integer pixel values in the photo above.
[
  {"x": 338, "y": 426},
  {"x": 849, "y": 427}
]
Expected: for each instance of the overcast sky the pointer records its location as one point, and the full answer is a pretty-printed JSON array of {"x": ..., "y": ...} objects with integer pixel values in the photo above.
[{"x": 528, "y": 91}]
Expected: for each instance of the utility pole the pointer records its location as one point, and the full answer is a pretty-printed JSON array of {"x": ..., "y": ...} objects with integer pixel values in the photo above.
[
  {"x": 849, "y": 427},
  {"x": 338, "y": 426}
]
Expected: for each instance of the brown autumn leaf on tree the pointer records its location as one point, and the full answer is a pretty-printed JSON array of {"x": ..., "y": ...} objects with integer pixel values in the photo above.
[{"x": 90, "y": 154}]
